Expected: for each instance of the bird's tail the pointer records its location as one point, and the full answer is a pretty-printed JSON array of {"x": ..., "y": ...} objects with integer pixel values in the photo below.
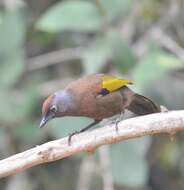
[{"x": 141, "y": 105}]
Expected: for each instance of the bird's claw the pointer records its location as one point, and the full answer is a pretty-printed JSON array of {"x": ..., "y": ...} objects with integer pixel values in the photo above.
[
  {"x": 117, "y": 121},
  {"x": 70, "y": 137},
  {"x": 116, "y": 125}
]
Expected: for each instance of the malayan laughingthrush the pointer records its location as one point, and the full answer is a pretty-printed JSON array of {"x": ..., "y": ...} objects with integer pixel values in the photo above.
[{"x": 96, "y": 96}]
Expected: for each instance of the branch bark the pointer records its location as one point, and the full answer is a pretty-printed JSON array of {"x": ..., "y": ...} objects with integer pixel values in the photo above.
[{"x": 169, "y": 122}]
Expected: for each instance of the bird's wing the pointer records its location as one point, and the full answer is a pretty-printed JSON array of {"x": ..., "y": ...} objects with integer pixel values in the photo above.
[{"x": 110, "y": 84}]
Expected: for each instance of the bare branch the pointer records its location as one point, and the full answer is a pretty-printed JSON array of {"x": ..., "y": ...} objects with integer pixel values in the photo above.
[
  {"x": 86, "y": 171},
  {"x": 169, "y": 122},
  {"x": 54, "y": 57},
  {"x": 167, "y": 42},
  {"x": 104, "y": 154},
  {"x": 157, "y": 31}
]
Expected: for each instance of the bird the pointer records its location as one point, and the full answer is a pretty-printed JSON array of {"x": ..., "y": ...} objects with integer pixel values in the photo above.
[{"x": 96, "y": 96}]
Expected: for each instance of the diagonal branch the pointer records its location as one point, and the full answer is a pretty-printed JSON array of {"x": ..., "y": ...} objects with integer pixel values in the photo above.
[
  {"x": 54, "y": 57},
  {"x": 169, "y": 122}
]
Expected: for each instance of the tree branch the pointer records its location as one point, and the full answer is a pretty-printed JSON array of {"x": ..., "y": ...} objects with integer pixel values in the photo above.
[
  {"x": 54, "y": 57},
  {"x": 170, "y": 122}
]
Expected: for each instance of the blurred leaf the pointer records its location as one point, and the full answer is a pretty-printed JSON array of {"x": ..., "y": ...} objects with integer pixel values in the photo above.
[
  {"x": 3, "y": 136},
  {"x": 28, "y": 129},
  {"x": 122, "y": 54},
  {"x": 71, "y": 15},
  {"x": 129, "y": 166},
  {"x": 12, "y": 30},
  {"x": 150, "y": 10},
  {"x": 43, "y": 38},
  {"x": 63, "y": 126},
  {"x": 29, "y": 100},
  {"x": 11, "y": 53},
  {"x": 108, "y": 47},
  {"x": 16, "y": 106},
  {"x": 97, "y": 55},
  {"x": 169, "y": 61},
  {"x": 1, "y": 18},
  {"x": 153, "y": 66},
  {"x": 114, "y": 8},
  {"x": 170, "y": 154},
  {"x": 11, "y": 68}
]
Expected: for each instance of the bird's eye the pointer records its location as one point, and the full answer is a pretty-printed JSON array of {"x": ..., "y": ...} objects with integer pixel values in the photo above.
[{"x": 53, "y": 109}]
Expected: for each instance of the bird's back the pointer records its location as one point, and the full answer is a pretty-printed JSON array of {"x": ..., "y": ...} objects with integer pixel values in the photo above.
[
  {"x": 87, "y": 84},
  {"x": 87, "y": 89},
  {"x": 87, "y": 92}
]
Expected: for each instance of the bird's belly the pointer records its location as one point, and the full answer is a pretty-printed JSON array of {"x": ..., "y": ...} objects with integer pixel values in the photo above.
[{"x": 102, "y": 107}]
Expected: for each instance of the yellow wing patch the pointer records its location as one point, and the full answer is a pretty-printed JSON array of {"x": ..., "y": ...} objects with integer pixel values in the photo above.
[{"x": 112, "y": 83}]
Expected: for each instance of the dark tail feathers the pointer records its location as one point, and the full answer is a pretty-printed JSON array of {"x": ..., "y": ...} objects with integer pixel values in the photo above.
[{"x": 140, "y": 105}]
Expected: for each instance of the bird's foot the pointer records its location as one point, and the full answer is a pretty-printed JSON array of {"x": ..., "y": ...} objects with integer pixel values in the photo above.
[
  {"x": 116, "y": 124},
  {"x": 118, "y": 120},
  {"x": 163, "y": 109},
  {"x": 71, "y": 135}
]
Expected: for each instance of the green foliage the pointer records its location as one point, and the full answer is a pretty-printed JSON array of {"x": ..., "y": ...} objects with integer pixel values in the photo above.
[
  {"x": 83, "y": 16},
  {"x": 170, "y": 154},
  {"x": 12, "y": 31},
  {"x": 112, "y": 9},
  {"x": 108, "y": 48},
  {"x": 153, "y": 66},
  {"x": 29, "y": 133},
  {"x": 129, "y": 166},
  {"x": 11, "y": 53},
  {"x": 97, "y": 55},
  {"x": 16, "y": 106},
  {"x": 11, "y": 68},
  {"x": 63, "y": 126},
  {"x": 150, "y": 10},
  {"x": 122, "y": 55},
  {"x": 12, "y": 64},
  {"x": 1, "y": 17},
  {"x": 71, "y": 15}
]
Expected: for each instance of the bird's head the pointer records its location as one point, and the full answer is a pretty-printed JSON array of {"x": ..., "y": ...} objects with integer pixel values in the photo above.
[
  {"x": 49, "y": 110},
  {"x": 59, "y": 104}
]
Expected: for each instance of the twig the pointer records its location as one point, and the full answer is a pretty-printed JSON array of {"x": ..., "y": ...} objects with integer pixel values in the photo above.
[
  {"x": 87, "y": 169},
  {"x": 105, "y": 163},
  {"x": 140, "y": 46},
  {"x": 54, "y": 57},
  {"x": 170, "y": 122},
  {"x": 164, "y": 40},
  {"x": 167, "y": 42},
  {"x": 128, "y": 27}
]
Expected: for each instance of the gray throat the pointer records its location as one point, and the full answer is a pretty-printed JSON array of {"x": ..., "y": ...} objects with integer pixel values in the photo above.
[{"x": 66, "y": 102}]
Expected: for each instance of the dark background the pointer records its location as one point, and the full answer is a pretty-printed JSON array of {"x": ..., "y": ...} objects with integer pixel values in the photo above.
[{"x": 46, "y": 44}]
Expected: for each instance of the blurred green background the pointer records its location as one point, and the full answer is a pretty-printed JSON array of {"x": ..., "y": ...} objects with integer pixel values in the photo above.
[{"x": 46, "y": 44}]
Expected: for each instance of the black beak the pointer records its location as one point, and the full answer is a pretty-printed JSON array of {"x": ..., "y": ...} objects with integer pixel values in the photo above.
[
  {"x": 43, "y": 122},
  {"x": 45, "y": 119}
]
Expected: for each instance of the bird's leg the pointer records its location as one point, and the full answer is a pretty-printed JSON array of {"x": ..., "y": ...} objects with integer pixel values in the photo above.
[
  {"x": 119, "y": 119},
  {"x": 82, "y": 130}
]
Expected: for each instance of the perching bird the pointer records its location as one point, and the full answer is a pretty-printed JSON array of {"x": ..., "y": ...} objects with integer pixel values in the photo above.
[{"x": 96, "y": 96}]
